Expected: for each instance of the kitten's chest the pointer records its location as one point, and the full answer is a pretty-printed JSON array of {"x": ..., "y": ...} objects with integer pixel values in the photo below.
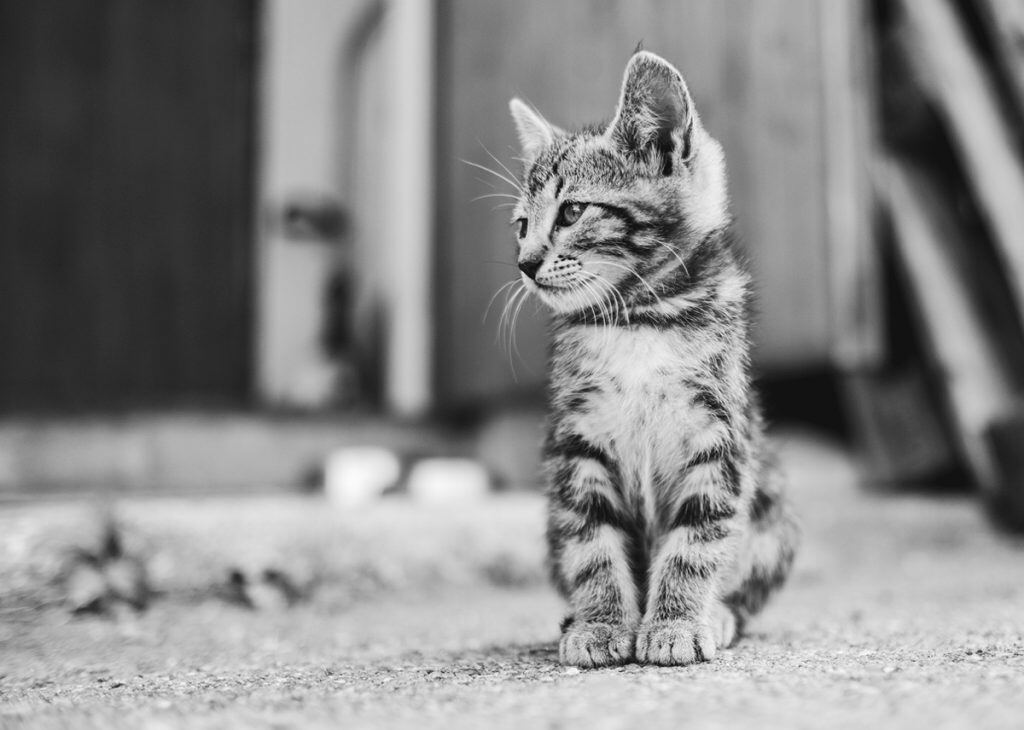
[
  {"x": 641, "y": 373},
  {"x": 641, "y": 395}
]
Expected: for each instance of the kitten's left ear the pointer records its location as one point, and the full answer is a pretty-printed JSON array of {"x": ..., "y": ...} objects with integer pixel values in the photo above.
[
  {"x": 655, "y": 112},
  {"x": 535, "y": 132}
]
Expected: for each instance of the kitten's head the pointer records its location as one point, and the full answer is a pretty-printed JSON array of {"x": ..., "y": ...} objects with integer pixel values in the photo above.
[{"x": 608, "y": 214}]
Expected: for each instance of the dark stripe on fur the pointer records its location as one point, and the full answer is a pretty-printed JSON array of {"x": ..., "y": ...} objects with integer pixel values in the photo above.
[
  {"x": 680, "y": 568},
  {"x": 673, "y": 593},
  {"x": 577, "y": 400},
  {"x": 716, "y": 366},
  {"x": 627, "y": 218},
  {"x": 705, "y": 397},
  {"x": 610, "y": 249},
  {"x": 762, "y": 504},
  {"x": 608, "y": 610},
  {"x": 700, "y": 510},
  {"x": 689, "y": 318},
  {"x": 706, "y": 456},
  {"x": 596, "y": 510},
  {"x": 751, "y": 596},
  {"x": 590, "y": 572},
  {"x": 576, "y": 447},
  {"x": 593, "y": 507},
  {"x": 731, "y": 473},
  {"x": 546, "y": 168},
  {"x": 712, "y": 532}
]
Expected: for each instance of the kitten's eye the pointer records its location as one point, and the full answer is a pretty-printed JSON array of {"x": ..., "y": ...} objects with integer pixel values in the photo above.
[
  {"x": 569, "y": 213},
  {"x": 522, "y": 227}
]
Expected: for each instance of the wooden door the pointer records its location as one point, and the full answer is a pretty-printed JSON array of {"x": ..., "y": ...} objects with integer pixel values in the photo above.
[
  {"x": 126, "y": 188},
  {"x": 755, "y": 70}
]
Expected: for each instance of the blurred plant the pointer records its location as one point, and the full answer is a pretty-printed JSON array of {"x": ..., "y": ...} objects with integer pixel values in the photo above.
[{"x": 105, "y": 578}]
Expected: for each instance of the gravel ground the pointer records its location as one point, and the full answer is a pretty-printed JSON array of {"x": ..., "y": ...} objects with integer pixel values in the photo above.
[{"x": 904, "y": 611}]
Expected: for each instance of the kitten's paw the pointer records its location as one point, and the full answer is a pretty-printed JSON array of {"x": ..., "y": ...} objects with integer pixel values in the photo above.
[
  {"x": 590, "y": 645},
  {"x": 675, "y": 643}
]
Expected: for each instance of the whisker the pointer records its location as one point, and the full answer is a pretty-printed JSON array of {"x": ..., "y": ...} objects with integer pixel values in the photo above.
[
  {"x": 597, "y": 302},
  {"x": 505, "y": 310},
  {"x": 494, "y": 195},
  {"x": 606, "y": 305},
  {"x": 520, "y": 297},
  {"x": 637, "y": 275},
  {"x": 497, "y": 174},
  {"x": 592, "y": 305},
  {"x": 622, "y": 299},
  {"x": 512, "y": 330},
  {"x": 507, "y": 332},
  {"x": 502, "y": 164},
  {"x": 676, "y": 254},
  {"x": 606, "y": 316},
  {"x": 618, "y": 298},
  {"x": 501, "y": 288},
  {"x": 488, "y": 183},
  {"x": 607, "y": 325},
  {"x": 599, "y": 307}
]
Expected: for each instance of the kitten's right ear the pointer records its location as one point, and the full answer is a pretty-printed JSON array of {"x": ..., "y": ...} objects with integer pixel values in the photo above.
[
  {"x": 655, "y": 117},
  {"x": 535, "y": 132}
]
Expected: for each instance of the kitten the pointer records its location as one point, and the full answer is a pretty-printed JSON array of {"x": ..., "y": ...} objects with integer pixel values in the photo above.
[{"x": 667, "y": 527}]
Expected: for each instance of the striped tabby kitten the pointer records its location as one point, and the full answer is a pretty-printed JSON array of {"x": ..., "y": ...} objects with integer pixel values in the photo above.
[{"x": 667, "y": 527}]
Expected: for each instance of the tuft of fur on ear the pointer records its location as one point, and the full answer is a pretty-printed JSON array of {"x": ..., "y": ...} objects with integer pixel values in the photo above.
[
  {"x": 535, "y": 132},
  {"x": 655, "y": 116}
]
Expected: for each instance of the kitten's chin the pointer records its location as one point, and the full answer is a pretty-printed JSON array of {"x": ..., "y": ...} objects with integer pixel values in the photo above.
[{"x": 560, "y": 300}]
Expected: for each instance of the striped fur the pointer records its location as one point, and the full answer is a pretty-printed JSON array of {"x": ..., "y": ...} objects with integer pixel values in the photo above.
[{"x": 667, "y": 525}]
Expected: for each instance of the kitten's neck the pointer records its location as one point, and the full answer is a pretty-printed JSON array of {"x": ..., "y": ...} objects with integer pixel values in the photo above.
[{"x": 709, "y": 283}]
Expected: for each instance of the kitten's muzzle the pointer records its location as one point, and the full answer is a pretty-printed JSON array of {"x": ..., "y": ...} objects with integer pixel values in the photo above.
[{"x": 552, "y": 273}]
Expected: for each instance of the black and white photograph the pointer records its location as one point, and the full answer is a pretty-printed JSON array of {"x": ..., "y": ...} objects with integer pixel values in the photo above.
[{"x": 461, "y": 364}]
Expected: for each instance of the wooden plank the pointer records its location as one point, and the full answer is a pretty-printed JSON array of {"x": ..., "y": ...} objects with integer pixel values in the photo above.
[
  {"x": 125, "y": 203},
  {"x": 410, "y": 156},
  {"x": 962, "y": 344},
  {"x": 952, "y": 74},
  {"x": 784, "y": 218},
  {"x": 898, "y": 426},
  {"x": 848, "y": 95},
  {"x": 1004, "y": 21},
  {"x": 754, "y": 67},
  {"x": 1005, "y": 437}
]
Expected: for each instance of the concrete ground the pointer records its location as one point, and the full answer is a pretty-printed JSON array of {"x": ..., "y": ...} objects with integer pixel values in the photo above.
[{"x": 904, "y": 611}]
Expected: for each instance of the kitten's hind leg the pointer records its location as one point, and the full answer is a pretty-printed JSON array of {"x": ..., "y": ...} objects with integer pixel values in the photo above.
[{"x": 765, "y": 555}]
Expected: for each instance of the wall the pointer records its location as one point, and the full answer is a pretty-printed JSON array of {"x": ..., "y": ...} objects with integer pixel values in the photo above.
[
  {"x": 126, "y": 151},
  {"x": 756, "y": 69}
]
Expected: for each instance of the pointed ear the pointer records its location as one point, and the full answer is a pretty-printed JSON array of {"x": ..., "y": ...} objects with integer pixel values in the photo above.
[
  {"x": 535, "y": 132},
  {"x": 655, "y": 117}
]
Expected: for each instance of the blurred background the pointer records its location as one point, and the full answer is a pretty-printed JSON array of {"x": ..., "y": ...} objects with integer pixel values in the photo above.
[
  {"x": 255, "y": 354},
  {"x": 238, "y": 238}
]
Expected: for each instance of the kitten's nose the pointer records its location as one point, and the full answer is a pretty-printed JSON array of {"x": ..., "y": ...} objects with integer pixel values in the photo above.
[{"x": 530, "y": 266}]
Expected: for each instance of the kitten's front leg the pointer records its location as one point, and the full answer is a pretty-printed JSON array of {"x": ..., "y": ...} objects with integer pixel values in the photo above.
[
  {"x": 591, "y": 537},
  {"x": 685, "y": 622}
]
